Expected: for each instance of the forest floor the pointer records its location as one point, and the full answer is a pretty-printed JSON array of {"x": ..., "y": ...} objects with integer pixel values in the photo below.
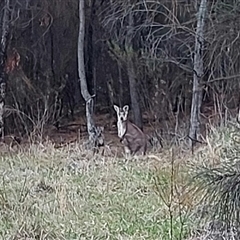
[{"x": 56, "y": 189}]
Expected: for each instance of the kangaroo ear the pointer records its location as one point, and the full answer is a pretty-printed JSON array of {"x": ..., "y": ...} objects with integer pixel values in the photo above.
[
  {"x": 116, "y": 108},
  {"x": 126, "y": 108}
]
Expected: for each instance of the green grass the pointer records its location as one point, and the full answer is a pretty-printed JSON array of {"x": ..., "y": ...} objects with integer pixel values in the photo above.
[{"x": 66, "y": 193}]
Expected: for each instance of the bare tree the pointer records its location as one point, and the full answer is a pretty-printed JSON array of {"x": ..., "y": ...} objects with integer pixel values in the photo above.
[
  {"x": 198, "y": 74},
  {"x": 3, "y": 49},
  {"x": 95, "y": 135}
]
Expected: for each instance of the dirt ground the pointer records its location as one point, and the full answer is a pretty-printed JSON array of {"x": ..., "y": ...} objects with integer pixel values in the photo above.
[{"x": 76, "y": 130}]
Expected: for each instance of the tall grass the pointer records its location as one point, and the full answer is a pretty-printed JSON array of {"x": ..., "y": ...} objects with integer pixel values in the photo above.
[{"x": 69, "y": 193}]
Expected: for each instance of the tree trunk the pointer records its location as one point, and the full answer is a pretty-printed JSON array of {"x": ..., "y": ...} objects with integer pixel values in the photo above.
[
  {"x": 92, "y": 130},
  {"x": 135, "y": 104},
  {"x": 3, "y": 49},
  {"x": 81, "y": 67},
  {"x": 194, "y": 131},
  {"x": 133, "y": 86},
  {"x": 110, "y": 94},
  {"x": 91, "y": 58},
  {"x": 120, "y": 82}
]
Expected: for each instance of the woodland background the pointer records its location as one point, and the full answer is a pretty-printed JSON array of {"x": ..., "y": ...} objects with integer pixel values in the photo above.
[
  {"x": 136, "y": 52},
  {"x": 176, "y": 63}
]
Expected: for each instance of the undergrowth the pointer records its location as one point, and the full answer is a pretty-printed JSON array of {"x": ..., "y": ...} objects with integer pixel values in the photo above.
[
  {"x": 216, "y": 178},
  {"x": 69, "y": 193}
]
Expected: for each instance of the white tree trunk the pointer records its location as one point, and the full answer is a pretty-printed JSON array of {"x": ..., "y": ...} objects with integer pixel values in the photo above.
[
  {"x": 81, "y": 67},
  {"x": 93, "y": 132},
  {"x": 194, "y": 131}
]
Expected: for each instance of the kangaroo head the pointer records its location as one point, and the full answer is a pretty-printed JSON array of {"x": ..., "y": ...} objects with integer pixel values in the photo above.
[{"x": 122, "y": 114}]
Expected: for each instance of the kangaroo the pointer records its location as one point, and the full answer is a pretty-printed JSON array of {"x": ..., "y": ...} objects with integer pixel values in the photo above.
[{"x": 130, "y": 135}]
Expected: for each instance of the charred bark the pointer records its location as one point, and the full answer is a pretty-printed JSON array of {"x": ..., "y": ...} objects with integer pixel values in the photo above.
[
  {"x": 194, "y": 131},
  {"x": 120, "y": 82},
  {"x": 133, "y": 86},
  {"x": 3, "y": 49}
]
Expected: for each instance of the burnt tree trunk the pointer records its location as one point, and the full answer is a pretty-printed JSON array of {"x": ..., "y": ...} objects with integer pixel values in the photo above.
[
  {"x": 3, "y": 77},
  {"x": 133, "y": 86},
  {"x": 120, "y": 82},
  {"x": 82, "y": 75},
  {"x": 194, "y": 131},
  {"x": 110, "y": 94}
]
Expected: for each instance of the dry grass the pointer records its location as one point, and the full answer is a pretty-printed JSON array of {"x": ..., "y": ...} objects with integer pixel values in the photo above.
[{"x": 69, "y": 193}]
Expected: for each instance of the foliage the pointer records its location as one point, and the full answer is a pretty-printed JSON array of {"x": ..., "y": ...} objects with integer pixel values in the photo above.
[{"x": 217, "y": 182}]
